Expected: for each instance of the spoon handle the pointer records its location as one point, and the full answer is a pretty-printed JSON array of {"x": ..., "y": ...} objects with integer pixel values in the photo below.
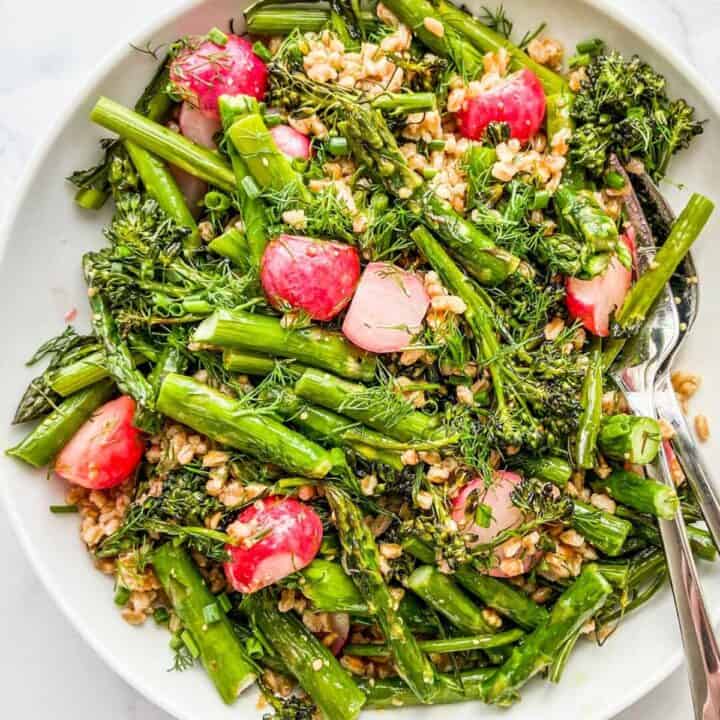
[{"x": 690, "y": 458}]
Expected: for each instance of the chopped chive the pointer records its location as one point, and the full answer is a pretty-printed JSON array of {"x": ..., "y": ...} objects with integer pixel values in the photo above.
[
  {"x": 122, "y": 595},
  {"x": 591, "y": 47},
  {"x": 541, "y": 200},
  {"x": 272, "y": 119},
  {"x": 217, "y": 36},
  {"x": 217, "y": 201},
  {"x": 161, "y": 615},
  {"x": 577, "y": 61},
  {"x": 429, "y": 173},
  {"x": 436, "y": 145},
  {"x": 224, "y": 602},
  {"x": 176, "y": 642},
  {"x": 338, "y": 145},
  {"x": 63, "y": 509},
  {"x": 250, "y": 187},
  {"x": 261, "y": 50},
  {"x": 211, "y": 614},
  {"x": 614, "y": 180},
  {"x": 299, "y": 165},
  {"x": 190, "y": 644}
]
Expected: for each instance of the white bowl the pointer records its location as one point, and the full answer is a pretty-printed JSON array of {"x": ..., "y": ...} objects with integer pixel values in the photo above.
[{"x": 40, "y": 280}]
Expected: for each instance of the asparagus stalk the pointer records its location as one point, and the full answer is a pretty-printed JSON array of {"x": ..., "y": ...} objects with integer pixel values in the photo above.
[
  {"x": 229, "y": 421},
  {"x": 552, "y": 469},
  {"x": 282, "y": 19},
  {"x": 571, "y": 611},
  {"x": 606, "y": 532},
  {"x": 507, "y": 600},
  {"x": 591, "y": 400},
  {"x": 486, "y": 40},
  {"x": 118, "y": 358},
  {"x": 642, "y": 494},
  {"x": 646, "y": 290},
  {"x": 442, "y": 594},
  {"x": 315, "y": 667},
  {"x": 55, "y": 430},
  {"x": 269, "y": 167},
  {"x": 391, "y": 693},
  {"x": 247, "y": 363},
  {"x": 161, "y": 185},
  {"x": 261, "y": 333},
  {"x": 221, "y": 652},
  {"x": 444, "y": 645},
  {"x": 362, "y": 559},
  {"x": 701, "y": 543},
  {"x": 78, "y": 375},
  {"x": 159, "y": 140},
  {"x": 630, "y": 438},
  {"x": 354, "y": 401},
  {"x": 495, "y": 593}
]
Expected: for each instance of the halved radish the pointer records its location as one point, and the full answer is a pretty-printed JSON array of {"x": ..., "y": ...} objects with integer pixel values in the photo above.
[
  {"x": 105, "y": 451},
  {"x": 281, "y": 536},
  {"x": 197, "y": 126},
  {"x": 594, "y": 301},
  {"x": 291, "y": 142},
  {"x": 316, "y": 276},
  {"x": 519, "y": 101},
  {"x": 387, "y": 310},
  {"x": 204, "y": 70}
]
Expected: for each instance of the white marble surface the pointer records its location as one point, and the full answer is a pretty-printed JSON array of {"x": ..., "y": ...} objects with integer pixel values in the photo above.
[{"x": 46, "y": 49}]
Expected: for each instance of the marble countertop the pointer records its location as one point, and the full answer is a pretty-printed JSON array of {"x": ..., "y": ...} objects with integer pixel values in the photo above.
[{"x": 46, "y": 50}]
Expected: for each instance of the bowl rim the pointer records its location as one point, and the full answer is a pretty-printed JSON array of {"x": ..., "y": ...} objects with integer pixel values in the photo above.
[{"x": 134, "y": 678}]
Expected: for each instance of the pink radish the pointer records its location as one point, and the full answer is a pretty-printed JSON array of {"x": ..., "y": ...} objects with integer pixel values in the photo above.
[
  {"x": 594, "y": 301},
  {"x": 291, "y": 142},
  {"x": 282, "y": 536},
  {"x": 316, "y": 276},
  {"x": 387, "y": 310},
  {"x": 340, "y": 624},
  {"x": 204, "y": 71},
  {"x": 197, "y": 126},
  {"x": 519, "y": 101}
]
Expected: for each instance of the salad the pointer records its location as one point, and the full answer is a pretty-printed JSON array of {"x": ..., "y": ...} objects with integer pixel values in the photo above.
[{"x": 343, "y": 421}]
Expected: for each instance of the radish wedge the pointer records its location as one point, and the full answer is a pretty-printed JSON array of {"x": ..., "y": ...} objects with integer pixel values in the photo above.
[
  {"x": 291, "y": 142},
  {"x": 281, "y": 536},
  {"x": 519, "y": 101},
  {"x": 105, "y": 451},
  {"x": 315, "y": 276},
  {"x": 387, "y": 310},
  {"x": 594, "y": 301}
]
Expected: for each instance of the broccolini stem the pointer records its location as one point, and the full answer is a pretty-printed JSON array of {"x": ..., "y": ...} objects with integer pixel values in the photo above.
[
  {"x": 236, "y": 329},
  {"x": 591, "y": 416},
  {"x": 571, "y": 611},
  {"x": 229, "y": 421},
  {"x": 405, "y": 103},
  {"x": 646, "y": 290},
  {"x": 557, "y": 114},
  {"x": 282, "y": 19},
  {"x": 161, "y": 185},
  {"x": 642, "y": 494},
  {"x": 163, "y": 142},
  {"x": 221, "y": 652},
  {"x": 606, "y": 532},
  {"x": 55, "y": 430},
  {"x": 315, "y": 667},
  {"x": 551, "y": 468},
  {"x": 362, "y": 559}
]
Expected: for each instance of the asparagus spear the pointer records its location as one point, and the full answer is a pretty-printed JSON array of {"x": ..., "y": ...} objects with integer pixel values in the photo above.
[
  {"x": 362, "y": 559},
  {"x": 640, "y": 493},
  {"x": 315, "y": 667},
  {"x": 55, "y": 430},
  {"x": 221, "y": 652},
  {"x": 229, "y": 421},
  {"x": 571, "y": 611},
  {"x": 78, "y": 375},
  {"x": 442, "y": 594},
  {"x": 552, "y": 469},
  {"x": 630, "y": 438},
  {"x": 444, "y": 645},
  {"x": 261, "y": 333},
  {"x": 606, "y": 532},
  {"x": 354, "y": 400},
  {"x": 646, "y": 290},
  {"x": 247, "y": 363},
  {"x": 282, "y": 19},
  {"x": 591, "y": 400},
  {"x": 159, "y": 140},
  {"x": 495, "y": 593},
  {"x": 391, "y": 693},
  {"x": 487, "y": 40},
  {"x": 161, "y": 185}
]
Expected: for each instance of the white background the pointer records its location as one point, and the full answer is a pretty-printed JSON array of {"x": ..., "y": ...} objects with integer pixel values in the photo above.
[{"x": 46, "y": 49}]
